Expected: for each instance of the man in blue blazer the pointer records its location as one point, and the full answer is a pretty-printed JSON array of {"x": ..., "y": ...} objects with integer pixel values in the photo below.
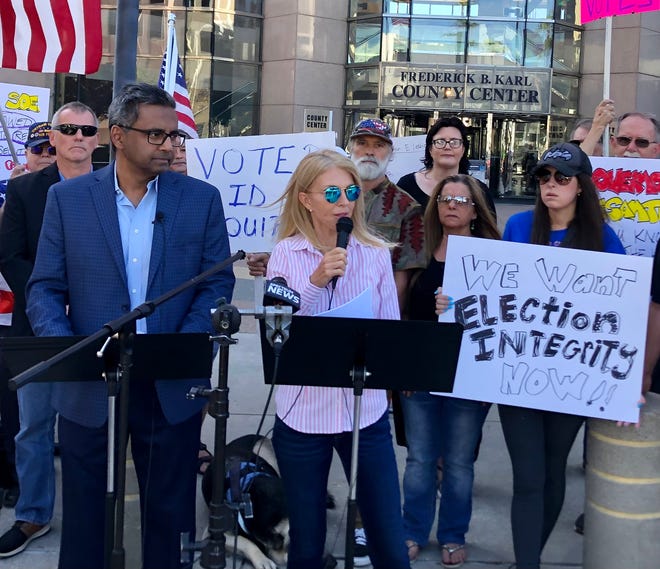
[{"x": 110, "y": 241}]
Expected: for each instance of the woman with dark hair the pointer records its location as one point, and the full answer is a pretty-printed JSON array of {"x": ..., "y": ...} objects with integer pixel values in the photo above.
[
  {"x": 567, "y": 214},
  {"x": 434, "y": 424},
  {"x": 445, "y": 154},
  {"x": 311, "y": 422}
]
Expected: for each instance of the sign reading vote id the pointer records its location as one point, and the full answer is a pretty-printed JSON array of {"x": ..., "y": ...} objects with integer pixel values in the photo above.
[
  {"x": 591, "y": 10},
  {"x": 251, "y": 173},
  {"x": 547, "y": 327}
]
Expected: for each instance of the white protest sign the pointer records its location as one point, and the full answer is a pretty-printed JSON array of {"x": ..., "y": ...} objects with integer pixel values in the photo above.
[
  {"x": 548, "y": 327},
  {"x": 630, "y": 193},
  {"x": 407, "y": 156},
  {"x": 251, "y": 173},
  {"x": 21, "y": 105}
]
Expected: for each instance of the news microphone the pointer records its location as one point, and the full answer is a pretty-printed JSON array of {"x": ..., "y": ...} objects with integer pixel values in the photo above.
[
  {"x": 280, "y": 302},
  {"x": 344, "y": 228},
  {"x": 277, "y": 293}
]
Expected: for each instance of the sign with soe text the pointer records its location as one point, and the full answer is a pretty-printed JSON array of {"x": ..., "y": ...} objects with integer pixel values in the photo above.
[{"x": 549, "y": 327}]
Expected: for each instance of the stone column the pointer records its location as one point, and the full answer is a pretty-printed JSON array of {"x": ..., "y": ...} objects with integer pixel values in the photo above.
[{"x": 622, "y": 512}]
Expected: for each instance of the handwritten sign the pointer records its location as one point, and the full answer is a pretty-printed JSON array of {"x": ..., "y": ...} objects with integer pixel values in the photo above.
[
  {"x": 21, "y": 105},
  {"x": 407, "y": 156},
  {"x": 591, "y": 10},
  {"x": 630, "y": 193},
  {"x": 251, "y": 173},
  {"x": 547, "y": 327}
]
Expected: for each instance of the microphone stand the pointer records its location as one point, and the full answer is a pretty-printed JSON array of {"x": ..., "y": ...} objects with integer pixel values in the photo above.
[{"x": 123, "y": 328}]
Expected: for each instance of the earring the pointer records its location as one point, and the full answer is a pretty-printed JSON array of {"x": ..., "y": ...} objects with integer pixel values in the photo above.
[{"x": 472, "y": 225}]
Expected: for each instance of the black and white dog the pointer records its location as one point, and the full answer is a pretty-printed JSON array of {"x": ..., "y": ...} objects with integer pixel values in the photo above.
[{"x": 251, "y": 471}]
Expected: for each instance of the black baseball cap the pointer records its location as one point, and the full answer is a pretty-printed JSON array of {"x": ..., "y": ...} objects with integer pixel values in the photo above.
[
  {"x": 38, "y": 134},
  {"x": 567, "y": 158}
]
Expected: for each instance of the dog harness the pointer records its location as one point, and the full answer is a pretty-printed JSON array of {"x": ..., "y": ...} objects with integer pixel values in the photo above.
[{"x": 238, "y": 479}]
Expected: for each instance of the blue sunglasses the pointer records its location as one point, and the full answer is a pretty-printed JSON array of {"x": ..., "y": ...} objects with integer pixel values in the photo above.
[{"x": 333, "y": 193}]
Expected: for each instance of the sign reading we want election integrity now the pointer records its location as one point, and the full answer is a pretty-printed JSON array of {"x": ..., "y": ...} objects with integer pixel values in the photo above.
[
  {"x": 629, "y": 191},
  {"x": 251, "y": 173},
  {"x": 549, "y": 327}
]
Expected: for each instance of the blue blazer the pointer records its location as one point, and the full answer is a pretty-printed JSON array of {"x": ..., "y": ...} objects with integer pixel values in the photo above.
[{"x": 80, "y": 265}]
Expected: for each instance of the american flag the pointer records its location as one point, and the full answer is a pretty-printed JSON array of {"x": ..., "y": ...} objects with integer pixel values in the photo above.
[
  {"x": 54, "y": 36},
  {"x": 173, "y": 81}
]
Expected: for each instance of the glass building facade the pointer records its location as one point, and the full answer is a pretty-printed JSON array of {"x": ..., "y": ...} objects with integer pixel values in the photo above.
[{"x": 510, "y": 69}]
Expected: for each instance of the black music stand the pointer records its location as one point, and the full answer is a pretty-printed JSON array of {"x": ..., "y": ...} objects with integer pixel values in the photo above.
[
  {"x": 101, "y": 360},
  {"x": 358, "y": 353}
]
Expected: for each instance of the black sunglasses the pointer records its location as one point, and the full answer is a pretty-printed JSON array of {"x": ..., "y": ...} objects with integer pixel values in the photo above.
[
  {"x": 543, "y": 176},
  {"x": 39, "y": 149},
  {"x": 71, "y": 129},
  {"x": 639, "y": 142}
]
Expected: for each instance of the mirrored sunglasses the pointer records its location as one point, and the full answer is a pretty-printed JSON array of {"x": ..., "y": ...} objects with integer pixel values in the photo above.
[
  {"x": 333, "y": 193},
  {"x": 458, "y": 200},
  {"x": 543, "y": 176},
  {"x": 626, "y": 140},
  {"x": 72, "y": 129},
  {"x": 39, "y": 149}
]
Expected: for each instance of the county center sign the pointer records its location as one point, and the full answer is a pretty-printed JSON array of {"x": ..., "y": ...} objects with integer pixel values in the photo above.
[{"x": 465, "y": 87}]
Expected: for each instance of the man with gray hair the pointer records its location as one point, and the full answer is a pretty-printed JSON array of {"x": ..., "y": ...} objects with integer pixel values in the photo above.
[
  {"x": 637, "y": 135},
  {"x": 111, "y": 240},
  {"x": 74, "y": 135}
]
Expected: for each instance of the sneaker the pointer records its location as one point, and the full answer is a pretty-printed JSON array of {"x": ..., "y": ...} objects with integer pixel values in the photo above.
[
  {"x": 17, "y": 538},
  {"x": 360, "y": 553},
  {"x": 579, "y": 524}
]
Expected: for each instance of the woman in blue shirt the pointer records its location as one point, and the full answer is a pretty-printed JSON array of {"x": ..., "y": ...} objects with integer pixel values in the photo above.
[{"x": 567, "y": 214}]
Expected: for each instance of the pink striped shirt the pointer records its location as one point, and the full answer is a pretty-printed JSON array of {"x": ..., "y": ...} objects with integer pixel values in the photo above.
[{"x": 330, "y": 409}]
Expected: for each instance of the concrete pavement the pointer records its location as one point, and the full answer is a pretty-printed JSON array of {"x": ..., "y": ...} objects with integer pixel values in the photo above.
[{"x": 489, "y": 540}]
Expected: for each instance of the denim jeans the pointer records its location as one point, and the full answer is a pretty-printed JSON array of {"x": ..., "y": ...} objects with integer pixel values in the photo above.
[
  {"x": 304, "y": 460},
  {"x": 451, "y": 428},
  {"x": 34, "y": 454}
]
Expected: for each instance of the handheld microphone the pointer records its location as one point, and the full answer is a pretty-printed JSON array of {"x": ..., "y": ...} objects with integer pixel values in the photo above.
[
  {"x": 344, "y": 228},
  {"x": 280, "y": 302}
]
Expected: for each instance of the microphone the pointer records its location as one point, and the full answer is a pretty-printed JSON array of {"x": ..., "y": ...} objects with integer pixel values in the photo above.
[
  {"x": 344, "y": 228},
  {"x": 277, "y": 293},
  {"x": 160, "y": 216},
  {"x": 280, "y": 302}
]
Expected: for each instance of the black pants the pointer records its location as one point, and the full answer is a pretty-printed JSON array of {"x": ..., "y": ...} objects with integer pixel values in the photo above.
[
  {"x": 538, "y": 444},
  {"x": 8, "y": 426}
]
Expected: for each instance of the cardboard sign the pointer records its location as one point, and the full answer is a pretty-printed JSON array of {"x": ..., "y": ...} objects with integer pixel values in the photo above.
[
  {"x": 251, "y": 173},
  {"x": 591, "y": 10},
  {"x": 630, "y": 193},
  {"x": 548, "y": 327},
  {"x": 21, "y": 106}
]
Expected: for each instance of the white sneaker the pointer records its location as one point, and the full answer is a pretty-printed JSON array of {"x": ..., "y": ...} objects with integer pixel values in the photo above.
[{"x": 360, "y": 554}]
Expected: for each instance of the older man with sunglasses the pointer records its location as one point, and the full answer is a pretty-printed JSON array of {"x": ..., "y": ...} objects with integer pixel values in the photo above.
[
  {"x": 637, "y": 136},
  {"x": 39, "y": 153},
  {"x": 75, "y": 136}
]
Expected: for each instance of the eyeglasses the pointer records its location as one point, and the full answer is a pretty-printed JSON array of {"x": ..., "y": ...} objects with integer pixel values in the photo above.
[
  {"x": 333, "y": 193},
  {"x": 543, "y": 176},
  {"x": 458, "y": 200},
  {"x": 39, "y": 149},
  {"x": 639, "y": 142},
  {"x": 158, "y": 137},
  {"x": 440, "y": 143},
  {"x": 71, "y": 129}
]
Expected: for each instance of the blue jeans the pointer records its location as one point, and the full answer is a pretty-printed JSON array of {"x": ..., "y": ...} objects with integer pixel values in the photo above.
[
  {"x": 304, "y": 460},
  {"x": 35, "y": 443},
  {"x": 448, "y": 427}
]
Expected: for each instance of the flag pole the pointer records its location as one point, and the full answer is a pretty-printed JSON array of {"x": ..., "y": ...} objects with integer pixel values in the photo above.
[
  {"x": 128, "y": 12},
  {"x": 10, "y": 142},
  {"x": 607, "y": 63},
  {"x": 171, "y": 55}
]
